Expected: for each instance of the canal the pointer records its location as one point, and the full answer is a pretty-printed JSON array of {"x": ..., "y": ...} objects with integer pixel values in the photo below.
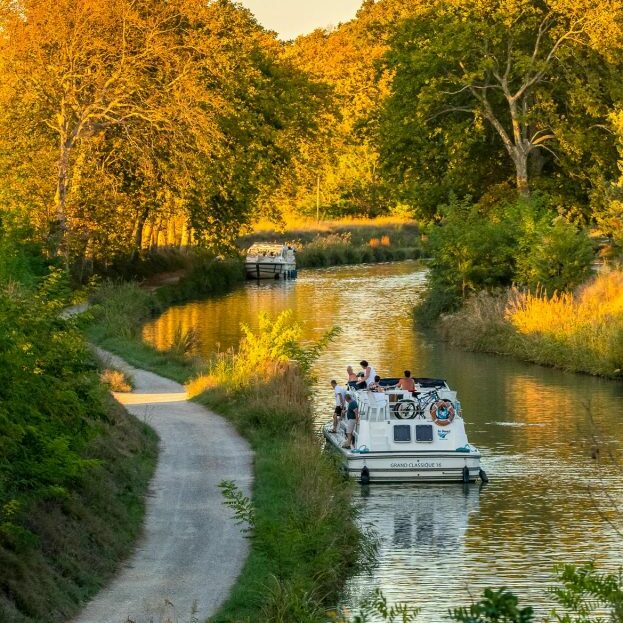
[{"x": 442, "y": 545}]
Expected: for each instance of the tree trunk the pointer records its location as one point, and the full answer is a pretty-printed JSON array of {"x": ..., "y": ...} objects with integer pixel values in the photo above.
[
  {"x": 138, "y": 235},
  {"x": 62, "y": 182},
  {"x": 521, "y": 167}
]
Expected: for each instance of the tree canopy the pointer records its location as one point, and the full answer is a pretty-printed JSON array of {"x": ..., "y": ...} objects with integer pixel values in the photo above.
[{"x": 135, "y": 123}]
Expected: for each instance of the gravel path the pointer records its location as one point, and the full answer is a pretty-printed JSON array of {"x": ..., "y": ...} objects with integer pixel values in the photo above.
[{"x": 191, "y": 551}]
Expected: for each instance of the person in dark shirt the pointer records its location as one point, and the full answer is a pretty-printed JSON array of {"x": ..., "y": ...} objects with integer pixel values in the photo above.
[{"x": 352, "y": 418}]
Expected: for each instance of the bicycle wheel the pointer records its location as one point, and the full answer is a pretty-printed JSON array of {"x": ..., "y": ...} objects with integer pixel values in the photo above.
[{"x": 405, "y": 410}]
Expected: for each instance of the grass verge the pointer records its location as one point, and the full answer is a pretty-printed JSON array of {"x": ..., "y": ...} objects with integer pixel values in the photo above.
[
  {"x": 581, "y": 332},
  {"x": 83, "y": 537},
  {"x": 305, "y": 541}
]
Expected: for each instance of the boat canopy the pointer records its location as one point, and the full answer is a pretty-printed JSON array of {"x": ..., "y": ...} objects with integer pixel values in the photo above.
[{"x": 266, "y": 248}]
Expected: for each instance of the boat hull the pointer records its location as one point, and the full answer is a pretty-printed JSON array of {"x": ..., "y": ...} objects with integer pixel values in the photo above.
[
  {"x": 409, "y": 466},
  {"x": 270, "y": 270}
]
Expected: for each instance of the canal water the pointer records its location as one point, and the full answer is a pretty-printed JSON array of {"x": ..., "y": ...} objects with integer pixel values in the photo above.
[{"x": 441, "y": 545}]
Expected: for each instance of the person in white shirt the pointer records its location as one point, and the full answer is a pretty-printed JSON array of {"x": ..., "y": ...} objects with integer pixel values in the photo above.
[
  {"x": 368, "y": 375},
  {"x": 340, "y": 403}
]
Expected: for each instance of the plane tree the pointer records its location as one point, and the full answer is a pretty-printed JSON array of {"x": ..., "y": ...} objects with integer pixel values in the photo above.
[{"x": 493, "y": 89}]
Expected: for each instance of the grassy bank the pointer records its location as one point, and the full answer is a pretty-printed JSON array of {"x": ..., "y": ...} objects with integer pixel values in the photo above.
[
  {"x": 304, "y": 541},
  {"x": 74, "y": 466},
  {"x": 346, "y": 242},
  {"x": 79, "y": 540},
  {"x": 304, "y": 538},
  {"x": 580, "y": 332}
]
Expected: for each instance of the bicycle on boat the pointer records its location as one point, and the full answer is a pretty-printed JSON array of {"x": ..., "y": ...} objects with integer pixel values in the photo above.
[{"x": 410, "y": 408}]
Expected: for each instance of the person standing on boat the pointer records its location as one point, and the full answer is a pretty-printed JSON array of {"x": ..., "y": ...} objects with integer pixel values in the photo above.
[
  {"x": 340, "y": 403},
  {"x": 352, "y": 417},
  {"x": 368, "y": 375}
]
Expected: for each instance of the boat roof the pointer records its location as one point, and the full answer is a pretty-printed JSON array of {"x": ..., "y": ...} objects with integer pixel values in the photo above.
[{"x": 267, "y": 247}]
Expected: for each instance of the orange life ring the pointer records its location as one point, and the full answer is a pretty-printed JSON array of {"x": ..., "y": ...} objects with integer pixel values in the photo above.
[{"x": 448, "y": 408}]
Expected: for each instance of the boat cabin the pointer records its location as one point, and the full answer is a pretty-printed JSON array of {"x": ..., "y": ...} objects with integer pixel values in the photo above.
[{"x": 394, "y": 419}]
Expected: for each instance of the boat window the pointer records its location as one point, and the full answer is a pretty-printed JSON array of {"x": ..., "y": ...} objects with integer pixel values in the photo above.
[
  {"x": 423, "y": 432},
  {"x": 402, "y": 432}
]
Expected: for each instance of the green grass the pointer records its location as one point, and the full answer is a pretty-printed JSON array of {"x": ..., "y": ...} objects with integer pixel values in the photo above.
[
  {"x": 82, "y": 538},
  {"x": 141, "y": 355}
]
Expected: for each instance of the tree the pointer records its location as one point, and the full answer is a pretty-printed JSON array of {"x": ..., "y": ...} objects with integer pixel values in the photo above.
[
  {"x": 88, "y": 66},
  {"x": 495, "y": 76},
  {"x": 135, "y": 122}
]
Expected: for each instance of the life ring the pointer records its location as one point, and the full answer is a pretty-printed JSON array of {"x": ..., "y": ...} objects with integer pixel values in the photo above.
[{"x": 442, "y": 412}]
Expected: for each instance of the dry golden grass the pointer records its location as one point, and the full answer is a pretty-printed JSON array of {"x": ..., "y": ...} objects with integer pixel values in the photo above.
[
  {"x": 597, "y": 304},
  {"x": 116, "y": 380},
  {"x": 580, "y": 331},
  {"x": 292, "y": 223}
]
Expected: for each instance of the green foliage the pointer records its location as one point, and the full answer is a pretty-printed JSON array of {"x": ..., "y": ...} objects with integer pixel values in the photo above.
[
  {"x": 557, "y": 257},
  {"x": 497, "y": 606},
  {"x": 20, "y": 259},
  {"x": 50, "y": 398},
  {"x": 487, "y": 246},
  {"x": 585, "y": 594},
  {"x": 375, "y": 607},
  {"x": 120, "y": 309},
  {"x": 263, "y": 354},
  {"x": 484, "y": 93},
  {"x": 243, "y": 508}
]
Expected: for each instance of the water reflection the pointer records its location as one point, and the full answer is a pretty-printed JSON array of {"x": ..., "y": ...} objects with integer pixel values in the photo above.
[{"x": 441, "y": 547}]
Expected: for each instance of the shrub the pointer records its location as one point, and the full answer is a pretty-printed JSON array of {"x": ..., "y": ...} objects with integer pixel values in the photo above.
[
  {"x": 557, "y": 258},
  {"x": 116, "y": 380},
  {"x": 487, "y": 246}
]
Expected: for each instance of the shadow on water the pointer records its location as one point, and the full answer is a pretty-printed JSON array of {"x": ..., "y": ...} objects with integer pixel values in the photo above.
[{"x": 440, "y": 545}]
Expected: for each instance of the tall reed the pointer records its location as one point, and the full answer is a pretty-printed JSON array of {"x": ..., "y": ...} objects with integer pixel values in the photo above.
[{"x": 581, "y": 331}]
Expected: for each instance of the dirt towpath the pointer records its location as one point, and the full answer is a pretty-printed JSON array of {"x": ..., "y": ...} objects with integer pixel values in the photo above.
[{"x": 191, "y": 551}]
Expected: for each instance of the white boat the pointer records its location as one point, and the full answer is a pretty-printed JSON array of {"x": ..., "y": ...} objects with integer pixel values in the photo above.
[
  {"x": 405, "y": 437},
  {"x": 270, "y": 261}
]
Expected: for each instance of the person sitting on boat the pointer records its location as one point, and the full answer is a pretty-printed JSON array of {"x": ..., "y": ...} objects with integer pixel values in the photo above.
[
  {"x": 376, "y": 385},
  {"x": 352, "y": 417},
  {"x": 368, "y": 375},
  {"x": 352, "y": 377},
  {"x": 407, "y": 383},
  {"x": 340, "y": 403}
]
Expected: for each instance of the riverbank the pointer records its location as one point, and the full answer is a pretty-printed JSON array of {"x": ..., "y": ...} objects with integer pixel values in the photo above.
[
  {"x": 305, "y": 538},
  {"x": 581, "y": 332},
  {"x": 76, "y": 466}
]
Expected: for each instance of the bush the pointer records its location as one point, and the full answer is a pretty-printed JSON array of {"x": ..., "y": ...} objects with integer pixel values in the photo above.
[
  {"x": 557, "y": 258},
  {"x": 488, "y": 246},
  {"x": 74, "y": 467}
]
